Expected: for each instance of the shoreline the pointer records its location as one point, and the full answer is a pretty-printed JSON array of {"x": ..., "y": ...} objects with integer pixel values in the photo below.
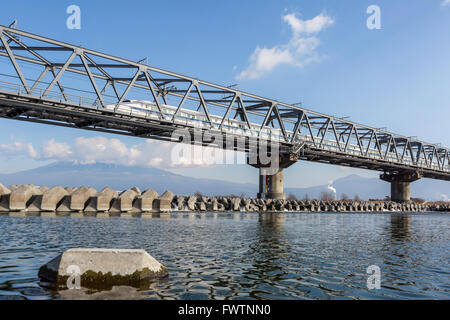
[
  {"x": 29, "y": 200},
  {"x": 202, "y": 214}
]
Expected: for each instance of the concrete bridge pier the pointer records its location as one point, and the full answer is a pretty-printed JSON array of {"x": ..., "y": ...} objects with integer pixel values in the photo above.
[
  {"x": 271, "y": 177},
  {"x": 271, "y": 186},
  {"x": 400, "y": 184}
]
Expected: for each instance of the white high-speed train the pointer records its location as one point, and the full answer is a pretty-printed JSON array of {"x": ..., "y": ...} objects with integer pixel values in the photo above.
[{"x": 148, "y": 109}]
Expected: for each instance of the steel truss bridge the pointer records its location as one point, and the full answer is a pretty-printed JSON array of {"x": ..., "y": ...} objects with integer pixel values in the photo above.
[{"x": 47, "y": 81}]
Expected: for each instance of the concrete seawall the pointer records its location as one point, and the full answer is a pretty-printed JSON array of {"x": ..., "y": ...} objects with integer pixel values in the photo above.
[{"x": 57, "y": 201}]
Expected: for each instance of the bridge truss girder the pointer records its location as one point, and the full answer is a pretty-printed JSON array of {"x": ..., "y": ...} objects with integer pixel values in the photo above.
[{"x": 110, "y": 80}]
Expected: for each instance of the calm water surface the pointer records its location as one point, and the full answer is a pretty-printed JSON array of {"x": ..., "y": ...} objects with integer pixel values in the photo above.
[{"x": 243, "y": 255}]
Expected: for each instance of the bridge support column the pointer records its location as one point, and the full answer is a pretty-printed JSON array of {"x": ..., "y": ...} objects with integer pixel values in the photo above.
[
  {"x": 271, "y": 178},
  {"x": 271, "y": 186},
  {"x": 400, "y": 184}
]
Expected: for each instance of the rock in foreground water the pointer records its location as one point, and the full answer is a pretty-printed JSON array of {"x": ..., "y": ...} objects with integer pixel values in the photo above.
[{"x": 100, "y": 268}]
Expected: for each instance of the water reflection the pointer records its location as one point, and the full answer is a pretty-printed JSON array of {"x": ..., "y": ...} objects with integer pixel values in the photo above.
[
  {"x": 400, "y": 227},
  {"x": 116, "y": 293},
  {"x": 243, "y": 255},
  {"x": 265, "y": 254}
]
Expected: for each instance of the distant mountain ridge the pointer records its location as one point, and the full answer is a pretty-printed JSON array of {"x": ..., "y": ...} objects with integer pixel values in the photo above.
[{"x": 119, "y": 177}]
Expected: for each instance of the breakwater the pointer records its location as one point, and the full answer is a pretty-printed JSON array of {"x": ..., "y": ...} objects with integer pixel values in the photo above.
[{"x": 86, "y": 201}]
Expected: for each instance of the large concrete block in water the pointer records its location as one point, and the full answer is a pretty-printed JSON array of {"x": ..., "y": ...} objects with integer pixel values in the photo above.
[
  {"x": 104, "y": 198},
  {"x": 103, "y": 267},
  {"x": 115, "y": 208},
  {"x": 236, "y": 204},
  {"x": 35, "y": 205},
  {"x": 21, "y": 195},
  {"x": 126, "y": 199},
  {"x": 179, "y": 202},
  {"x": 147, "y": 200},
  {"x": 79, "y": 198},
  {"x": 91, "y": 206},
  {"x": 164, "y": 201},
  {"x": 52, "y": 197},
  {"x": 191, "y": 203},
  {"x": 64, "y": 206},
  {"x": 136, "y": 211}
]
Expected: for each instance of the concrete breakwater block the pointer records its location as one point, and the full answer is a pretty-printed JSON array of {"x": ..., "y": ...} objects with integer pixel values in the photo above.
[
  {"x": 147, "y": 200},
  {"x": 35, "y": 205},
  {"x": 64, "y": 207},
  {"x": 164, "y": 201},
  {"x": 104, "y": 199},
  {"x": 52, "y": 197},
  {"x": 79, "y": 198},
  {"x": 20, "y": 196},
  {"x": 115, "y": 207},
  {"x": 91, "y": 206},
  {"x": 99, "y": 268},
  {"x": 190, "y": 203},
  {"x": 126, "y": 199}
]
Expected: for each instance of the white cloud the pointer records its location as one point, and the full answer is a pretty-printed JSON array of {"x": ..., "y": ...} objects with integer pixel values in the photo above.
[
  {"x": 313, "y": 25},
  {"x": 445, "y": 3},
  {"x": 19, "y": 148},
  {"x": 53, "y": 149},
  {"x": 99, "y": 149},
  {"x": 299, "y": 51},
  {"x": 264, "y": 60}
]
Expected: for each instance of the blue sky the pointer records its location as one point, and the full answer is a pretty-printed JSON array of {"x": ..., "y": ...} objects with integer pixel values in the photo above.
[{"x": 397, "y": 77}]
